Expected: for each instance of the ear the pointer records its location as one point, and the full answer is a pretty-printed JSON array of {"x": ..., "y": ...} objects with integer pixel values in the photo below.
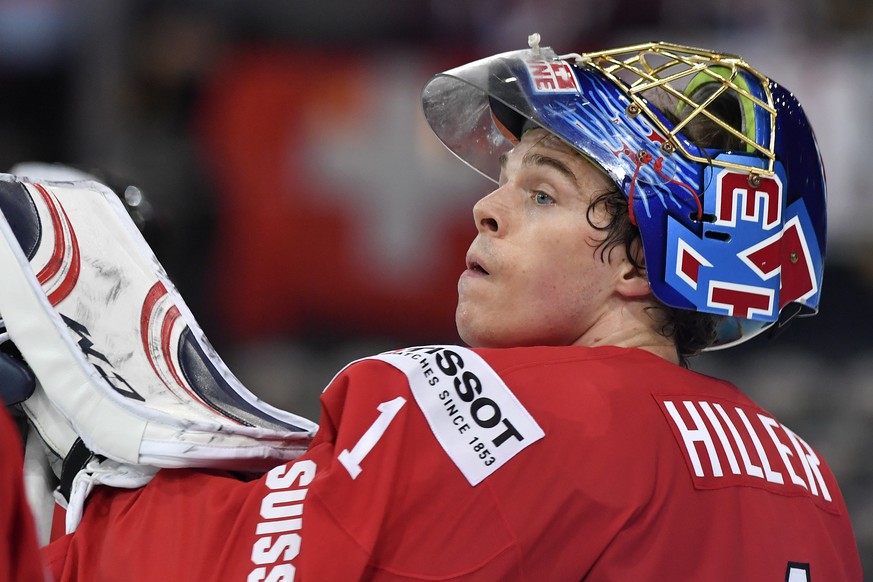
[{"x": 632, "y": 281}]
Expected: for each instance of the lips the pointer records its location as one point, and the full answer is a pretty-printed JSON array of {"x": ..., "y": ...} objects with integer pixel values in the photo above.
[{"x": 474, "y": 265}]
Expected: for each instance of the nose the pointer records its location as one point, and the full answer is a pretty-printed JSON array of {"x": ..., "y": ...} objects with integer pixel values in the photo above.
[{"x": 486, "y": 214}]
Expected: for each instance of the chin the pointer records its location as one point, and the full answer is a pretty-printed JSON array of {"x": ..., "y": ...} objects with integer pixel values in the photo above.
[
  {"x": 469, "y": 338},
  {"x": 478, "y": 338},
  {"x": 481, "y": 340},
  {"x": 469, "y": 335},
  {"x": 477, "y": 333}
]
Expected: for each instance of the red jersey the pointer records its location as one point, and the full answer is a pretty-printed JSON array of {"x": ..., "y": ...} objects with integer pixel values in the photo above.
[
  {"x": 20, "y": 558},
  {"x": 445, "y": 463}
]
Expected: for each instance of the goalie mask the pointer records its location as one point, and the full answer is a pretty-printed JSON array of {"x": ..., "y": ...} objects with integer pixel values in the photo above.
[{"x": 735, "y": 229}]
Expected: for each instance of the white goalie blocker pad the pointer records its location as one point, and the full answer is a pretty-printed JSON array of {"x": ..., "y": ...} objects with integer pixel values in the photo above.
[{"x": 120, "y": 361}]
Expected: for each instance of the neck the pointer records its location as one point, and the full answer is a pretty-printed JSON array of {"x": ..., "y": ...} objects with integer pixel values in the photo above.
[{"x": 630, "y": 325}]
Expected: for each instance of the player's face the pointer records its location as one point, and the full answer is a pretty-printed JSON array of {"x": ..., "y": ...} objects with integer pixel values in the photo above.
[{"x": 534, "y": 273}]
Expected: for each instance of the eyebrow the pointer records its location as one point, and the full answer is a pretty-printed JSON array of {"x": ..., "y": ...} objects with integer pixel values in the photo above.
[{"x": 536, "y": 159}]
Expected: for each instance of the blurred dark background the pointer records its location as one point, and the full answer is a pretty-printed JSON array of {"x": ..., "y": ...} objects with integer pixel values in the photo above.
[{"x": 308, "y": 217}]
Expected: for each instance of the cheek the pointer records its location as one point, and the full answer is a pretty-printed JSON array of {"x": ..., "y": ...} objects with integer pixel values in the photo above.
[
  {"x": 559, "y": 289},
  {"x": 574, "y": 285},
  {"x": 566, "y": 270}
]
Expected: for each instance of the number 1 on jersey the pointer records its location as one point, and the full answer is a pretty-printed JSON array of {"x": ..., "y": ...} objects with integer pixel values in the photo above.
[{"x": 351, "y": 460}]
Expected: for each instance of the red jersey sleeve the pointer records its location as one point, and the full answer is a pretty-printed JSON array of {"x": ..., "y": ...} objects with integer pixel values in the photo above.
[{"x": 19, "y": 552}]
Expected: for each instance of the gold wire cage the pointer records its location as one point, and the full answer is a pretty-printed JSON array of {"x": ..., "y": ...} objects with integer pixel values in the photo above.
[{"x": 673, "y": 68}]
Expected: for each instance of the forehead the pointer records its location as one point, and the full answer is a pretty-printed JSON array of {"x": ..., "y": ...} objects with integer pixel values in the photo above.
[
  {"x": 544, "y": 142},
  {"x": 542, "y": 148}
]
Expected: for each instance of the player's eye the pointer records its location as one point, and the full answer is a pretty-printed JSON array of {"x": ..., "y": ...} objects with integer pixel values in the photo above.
[{"x": 542, "y": 198}]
